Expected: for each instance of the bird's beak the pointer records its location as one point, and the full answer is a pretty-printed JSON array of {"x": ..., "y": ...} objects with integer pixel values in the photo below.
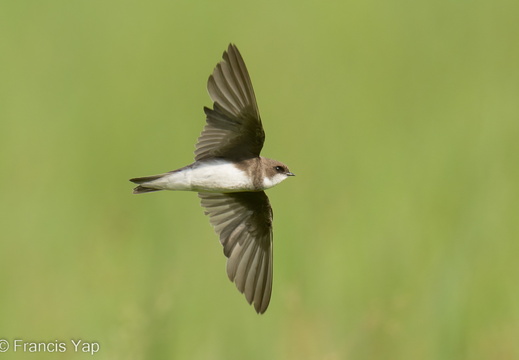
[{"x": 290, "y": 174}]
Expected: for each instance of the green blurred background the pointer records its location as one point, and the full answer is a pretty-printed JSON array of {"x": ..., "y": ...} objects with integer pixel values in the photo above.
[{"x": 398, "y": 239}]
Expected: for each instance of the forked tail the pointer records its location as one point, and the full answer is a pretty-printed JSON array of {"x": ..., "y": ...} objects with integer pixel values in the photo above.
[{"x": 141, "y": 189}]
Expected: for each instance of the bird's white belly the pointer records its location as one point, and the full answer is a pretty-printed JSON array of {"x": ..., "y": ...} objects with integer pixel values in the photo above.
[{"x": 217, "y": 176}]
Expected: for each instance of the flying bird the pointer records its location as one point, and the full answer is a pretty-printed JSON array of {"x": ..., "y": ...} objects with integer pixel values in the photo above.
[{"x": 230, "y": 177}]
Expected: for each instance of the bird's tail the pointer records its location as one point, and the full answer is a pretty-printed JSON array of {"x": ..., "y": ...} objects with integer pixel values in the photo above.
[{"x": 142, "y": 188}]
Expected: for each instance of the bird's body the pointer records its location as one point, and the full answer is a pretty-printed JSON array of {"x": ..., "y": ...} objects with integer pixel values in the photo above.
[
  {"x": 230, "y": 175},
  {"x": 205, "y": 176},
  {"x": 214, "y": 175}
]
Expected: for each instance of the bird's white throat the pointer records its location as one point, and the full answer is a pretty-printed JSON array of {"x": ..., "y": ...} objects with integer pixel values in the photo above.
[{"x": 273, "y": 181}]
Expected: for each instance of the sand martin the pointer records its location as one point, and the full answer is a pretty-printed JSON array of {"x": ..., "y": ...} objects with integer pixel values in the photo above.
[{"x": 230, "y": 175}]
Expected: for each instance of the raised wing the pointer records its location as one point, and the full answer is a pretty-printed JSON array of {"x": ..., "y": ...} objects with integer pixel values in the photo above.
[{"x": 233, "y": 128}]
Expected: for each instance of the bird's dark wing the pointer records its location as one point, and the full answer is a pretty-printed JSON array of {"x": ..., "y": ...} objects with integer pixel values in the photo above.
[
  {"x": 244, "y": 223},
  {"x": 233, "y": 128}
]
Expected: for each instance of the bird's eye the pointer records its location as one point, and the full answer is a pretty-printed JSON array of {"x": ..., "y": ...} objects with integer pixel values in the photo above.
[{"x": 279, "y": 169}]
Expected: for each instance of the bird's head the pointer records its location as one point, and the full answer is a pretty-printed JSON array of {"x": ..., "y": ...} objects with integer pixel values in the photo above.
[{"x": 274, "y": 172}]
